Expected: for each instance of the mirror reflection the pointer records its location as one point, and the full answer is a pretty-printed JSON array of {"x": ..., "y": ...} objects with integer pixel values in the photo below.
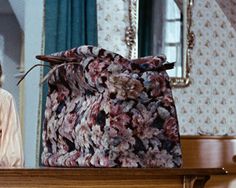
[
  {"x": 163, "y": 27},
  {"x": 160, "y": 31}
]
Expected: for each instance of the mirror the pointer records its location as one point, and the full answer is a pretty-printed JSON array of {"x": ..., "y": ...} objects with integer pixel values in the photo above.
[{"x": 163, "y": 27}]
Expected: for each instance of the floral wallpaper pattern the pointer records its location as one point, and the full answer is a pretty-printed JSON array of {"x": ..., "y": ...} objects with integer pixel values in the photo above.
[
  {"x": 208, "y": 105},
  {"x": 112, "y": 22}
]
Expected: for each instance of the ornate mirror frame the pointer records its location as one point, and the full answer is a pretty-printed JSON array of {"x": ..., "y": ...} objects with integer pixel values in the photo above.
[{"x": 131, "y": 39}]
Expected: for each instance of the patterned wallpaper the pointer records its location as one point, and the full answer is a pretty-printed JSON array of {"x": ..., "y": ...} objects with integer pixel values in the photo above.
[
  {"x": 229, "y": 9},
  {"x": 112, "y": 21},
  {"x": 208, "y": 106}
]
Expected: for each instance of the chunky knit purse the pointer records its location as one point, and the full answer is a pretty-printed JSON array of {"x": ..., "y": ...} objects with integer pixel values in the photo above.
[{"x": 103, "y": 110}]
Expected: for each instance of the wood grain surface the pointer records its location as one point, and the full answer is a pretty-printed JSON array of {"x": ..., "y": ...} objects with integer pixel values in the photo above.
[
  {"x": 103, "y": 177},
  {"x": 211, "y": 152}
]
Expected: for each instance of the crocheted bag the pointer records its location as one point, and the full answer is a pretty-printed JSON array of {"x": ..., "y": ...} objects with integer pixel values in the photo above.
[{"x": 103, "y": 110}]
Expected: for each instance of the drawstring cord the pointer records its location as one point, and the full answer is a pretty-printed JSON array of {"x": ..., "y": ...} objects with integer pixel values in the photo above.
[
  {"x": 53, "y": 69},
  {"x": 23, "y": 77},
  {"x": 55, "y": 63}
]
